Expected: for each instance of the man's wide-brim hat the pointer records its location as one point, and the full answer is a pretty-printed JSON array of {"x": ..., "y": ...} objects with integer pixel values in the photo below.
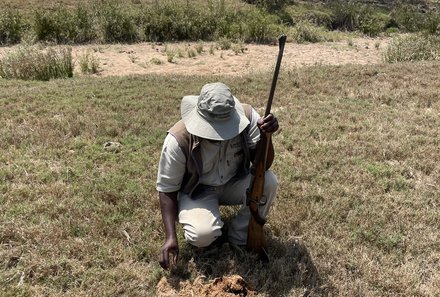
[{"x": 215, "y": 114}]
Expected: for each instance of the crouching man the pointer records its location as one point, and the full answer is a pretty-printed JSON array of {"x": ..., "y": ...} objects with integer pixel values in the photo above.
[{"x": 205, "y": 162}]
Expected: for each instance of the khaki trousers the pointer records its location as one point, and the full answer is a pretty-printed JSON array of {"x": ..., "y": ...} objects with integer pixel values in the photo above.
[{"x": 200, "y": 215}]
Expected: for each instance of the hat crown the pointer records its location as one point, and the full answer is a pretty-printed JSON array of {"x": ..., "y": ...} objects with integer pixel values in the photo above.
[{"x": 216, "y": 102}]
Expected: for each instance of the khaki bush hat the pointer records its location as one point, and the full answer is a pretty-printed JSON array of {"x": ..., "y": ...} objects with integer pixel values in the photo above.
[{"x": 215, "y": 114}]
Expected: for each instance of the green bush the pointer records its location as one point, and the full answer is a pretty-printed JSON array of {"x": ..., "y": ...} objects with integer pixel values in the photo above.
[
  {"x": 37, "y": 63},
  {"x": 371, "y": 22},
  {"x": 231, "y": 25},
  {"x": 432, "y": 23},
  {"x": 413, "y": 48},
  {"x": 316, "y": 15},
  {"x": 117, "y": 23},
  {"x": 408, "y": 18},
  {"x": 11, "y": 27},
  {"x": 271, "y": 5},
  {"x": 86, "y": 28},
  {"x": 261, "y": 27},
  {"x": 64, "y": 26},
  {"x": 306, "y": 32},
  {"x": 166, "y": 20},
  {"x": 170, "y": 21},
  {"x": 345, "y": 14}
]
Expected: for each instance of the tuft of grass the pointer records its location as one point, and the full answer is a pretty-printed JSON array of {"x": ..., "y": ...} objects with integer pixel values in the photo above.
[
  {"x": 199, "y": 48},
  {"x": 238, "y": 48},
  {"x": 191, "y": 52},
  {"x": 224, "y": 43},
  {"x": 171, "y": 54},
  {"x": 37, "y": 63},
  {"x": 88, "y": 63},
  {"x": 417, "y": 47},
  {"x": 156, "y": 61},
  {"x": 211, "y": 49}
]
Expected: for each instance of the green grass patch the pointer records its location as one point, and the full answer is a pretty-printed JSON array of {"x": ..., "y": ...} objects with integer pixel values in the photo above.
[{"x": 356, "y": 158}]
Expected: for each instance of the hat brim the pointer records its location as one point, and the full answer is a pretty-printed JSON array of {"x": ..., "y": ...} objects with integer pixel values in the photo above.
[{"x": 215, "y": 130}]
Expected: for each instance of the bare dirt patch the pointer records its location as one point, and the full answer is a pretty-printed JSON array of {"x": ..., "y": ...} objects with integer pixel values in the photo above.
[
  {"x": 148, "y": 58},
  {"x": 184, "y": 59},
  {"x": 226, "y": 286}
]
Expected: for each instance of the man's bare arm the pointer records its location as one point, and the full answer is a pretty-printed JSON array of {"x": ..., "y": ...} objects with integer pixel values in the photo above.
[{"x": 168, "y": 208}]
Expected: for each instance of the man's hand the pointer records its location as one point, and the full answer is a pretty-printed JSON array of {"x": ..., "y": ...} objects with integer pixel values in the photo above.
[
  {"x": 268, "y": 124},
  {"x": 170, "y": 247}
]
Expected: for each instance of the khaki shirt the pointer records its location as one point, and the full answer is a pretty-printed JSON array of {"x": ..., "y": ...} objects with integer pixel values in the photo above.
[{"x": 220, "y": 160}]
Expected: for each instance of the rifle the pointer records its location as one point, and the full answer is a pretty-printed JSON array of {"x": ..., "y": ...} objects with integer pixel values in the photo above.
[{"x": 255, "y": 239}]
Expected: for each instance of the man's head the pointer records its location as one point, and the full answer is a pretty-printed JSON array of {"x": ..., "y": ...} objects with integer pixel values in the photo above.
[{"x": 215, "y": 114}]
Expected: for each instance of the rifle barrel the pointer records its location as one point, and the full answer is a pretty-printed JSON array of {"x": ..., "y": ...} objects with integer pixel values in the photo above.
[{"x": 281, "y": 43}]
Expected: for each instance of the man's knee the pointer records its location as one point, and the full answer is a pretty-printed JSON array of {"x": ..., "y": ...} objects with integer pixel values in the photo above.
[
  {"x": 202, "y": 236},
  {"x": 270, "y": 183}
]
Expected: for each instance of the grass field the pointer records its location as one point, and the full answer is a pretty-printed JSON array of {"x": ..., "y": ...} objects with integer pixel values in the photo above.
[{"x": 358, "y": 160}]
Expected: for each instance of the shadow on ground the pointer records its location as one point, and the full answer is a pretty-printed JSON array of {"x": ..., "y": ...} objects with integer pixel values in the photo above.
[{"x": 290, "y": 270}]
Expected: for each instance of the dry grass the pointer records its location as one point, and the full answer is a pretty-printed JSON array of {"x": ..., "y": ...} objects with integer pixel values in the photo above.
[
  {"x": 37, "y": 62},
  {"x": 358, "y": 163}
]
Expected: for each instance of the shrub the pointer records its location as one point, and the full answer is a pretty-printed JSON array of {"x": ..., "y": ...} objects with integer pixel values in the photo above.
[
  {"x": 413, "y": 48},
  {"x": 231, "y": 26},
  {"x": 64, "y": 26},
  {"x": 261, "y": 27},
  {"x": 371, "y": 22},
  {"x": 271, "y": 5},
  {"x": 11, "y": 27},
  {"x": 391, "y": 30},
  {"x": 306, "y": 32},
  {"x": 408, "y": 18},
  {"x": 86, "y": 27},
  {"x": 345, "y": 14},
  {"x": 37, "y": 63},
  {"x": 432, "y": 23},
  {"x": 318, "y": 16},
  {"x": 166, "y": 20},
  {"x": 117, "y": 23}
]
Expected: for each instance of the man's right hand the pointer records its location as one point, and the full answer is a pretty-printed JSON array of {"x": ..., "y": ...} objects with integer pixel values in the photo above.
[{"x": 170, "y": 246}]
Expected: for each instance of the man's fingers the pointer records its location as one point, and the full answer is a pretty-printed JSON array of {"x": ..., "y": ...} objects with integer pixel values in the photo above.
[
  {"x": 175, "y": 257},
  {"x": 164, "y": 260},
  {"x": 269, "y": 124}
]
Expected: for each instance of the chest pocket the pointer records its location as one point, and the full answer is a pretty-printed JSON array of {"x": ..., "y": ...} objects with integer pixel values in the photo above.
[{"x": 234, "y": 154}]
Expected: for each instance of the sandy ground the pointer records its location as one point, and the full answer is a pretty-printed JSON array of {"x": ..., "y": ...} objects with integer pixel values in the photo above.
[{"x": 147, "y": 58}]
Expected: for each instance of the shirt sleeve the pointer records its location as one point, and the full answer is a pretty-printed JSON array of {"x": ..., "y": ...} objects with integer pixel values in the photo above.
[
  {"x": 254, "y": 131},
  {"x": 172, "y": 166}
]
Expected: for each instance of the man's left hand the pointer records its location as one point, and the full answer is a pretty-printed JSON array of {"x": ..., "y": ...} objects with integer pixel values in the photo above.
[{"x": 268, "y": 124}]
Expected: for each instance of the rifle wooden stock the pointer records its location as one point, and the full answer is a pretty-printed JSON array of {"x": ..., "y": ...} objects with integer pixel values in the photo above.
[{"x": 256, "y": 241}]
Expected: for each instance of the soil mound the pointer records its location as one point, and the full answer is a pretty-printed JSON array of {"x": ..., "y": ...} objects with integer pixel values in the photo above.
[{"x": 226, "y": 286}]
